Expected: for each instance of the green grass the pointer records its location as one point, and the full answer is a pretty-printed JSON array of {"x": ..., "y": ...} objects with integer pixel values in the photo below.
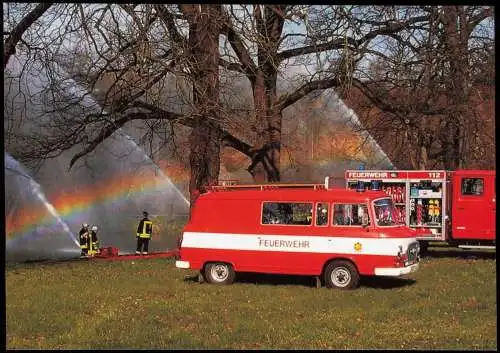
[{"x": 450, "y": 303}]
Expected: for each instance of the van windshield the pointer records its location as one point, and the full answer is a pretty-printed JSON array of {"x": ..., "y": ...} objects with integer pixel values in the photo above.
[{"x": 386, "y": 214}]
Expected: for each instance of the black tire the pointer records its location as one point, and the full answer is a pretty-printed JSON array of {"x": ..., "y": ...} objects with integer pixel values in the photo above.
[
  {"x": 341, "y": 274},
  {"x": 219, "y": 273}
]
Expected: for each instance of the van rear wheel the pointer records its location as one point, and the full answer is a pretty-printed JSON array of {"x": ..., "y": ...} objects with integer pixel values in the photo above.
[
  {"x": 341, "y": 274},
  {"x": 219, "y": 273}
]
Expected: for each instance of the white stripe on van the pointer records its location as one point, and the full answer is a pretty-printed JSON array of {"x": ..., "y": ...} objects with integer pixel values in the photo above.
[{"x": 294, "y": 243}]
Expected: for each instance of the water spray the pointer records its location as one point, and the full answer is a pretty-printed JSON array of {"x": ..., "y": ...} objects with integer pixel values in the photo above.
[
  {"x": 76, "y": 90},
  {"x": 36, "y": 188},
  {"x": 157, "y": 168}
]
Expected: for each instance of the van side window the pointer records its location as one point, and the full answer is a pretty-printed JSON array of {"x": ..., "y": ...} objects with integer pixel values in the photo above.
[
  {"x": 287, "y": 213},
  {"x": 472, "y": 186},
  {"x": 350, "y": 214},
  {"x": 322, "y": 214}
]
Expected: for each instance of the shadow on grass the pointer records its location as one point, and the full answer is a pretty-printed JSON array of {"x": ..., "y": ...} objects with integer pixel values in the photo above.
[
  {"x": 459, "y": 254},
  {"x": 310, "y": 281},
  {"x": 16, "y": 264},
  {"x": 67, "y": 260},
  {"x": 274, "y": 279},
  {"x": 380, "y": 282}
]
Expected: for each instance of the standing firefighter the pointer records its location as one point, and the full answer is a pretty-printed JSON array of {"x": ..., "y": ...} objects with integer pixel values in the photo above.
[
  {"x": 144, "y": 232},
  {"x": 93, "y": 241},
  {"x": 84, "y": 235}
]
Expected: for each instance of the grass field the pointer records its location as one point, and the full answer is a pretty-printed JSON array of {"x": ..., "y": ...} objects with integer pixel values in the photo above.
[{"x": 450, "y": 303}]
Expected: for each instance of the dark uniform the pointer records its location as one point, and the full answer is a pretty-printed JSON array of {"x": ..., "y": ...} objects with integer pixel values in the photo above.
[
  {"x": 144, "y": 232},
  {"x": 84, "y": 238}
]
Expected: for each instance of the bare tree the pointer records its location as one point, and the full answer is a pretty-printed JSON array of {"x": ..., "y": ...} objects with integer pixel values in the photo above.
[
  {"x": 342, "y": 44},
  {"x": 125, "y": 58},
  {"x": 458, "y": 23},
  {"x": 424, "y": 85}
]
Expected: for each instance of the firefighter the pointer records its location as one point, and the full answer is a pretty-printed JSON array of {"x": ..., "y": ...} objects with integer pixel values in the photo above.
[
  {"x": 144, "y": 233},
  {"x": 84, "y": 235},
  {"x": 430, "y": 209},
  {"x": 437, "y": 211},
  {"x": 93, "y": 241}
]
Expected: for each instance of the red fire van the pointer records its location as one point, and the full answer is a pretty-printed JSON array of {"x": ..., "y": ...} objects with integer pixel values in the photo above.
[
  {"x": 298, "y": 229},
  {"x": 458, "y": 207}
]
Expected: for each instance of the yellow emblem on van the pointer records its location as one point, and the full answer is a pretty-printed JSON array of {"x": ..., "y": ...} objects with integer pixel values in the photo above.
[{"x": 357, "y": 246}]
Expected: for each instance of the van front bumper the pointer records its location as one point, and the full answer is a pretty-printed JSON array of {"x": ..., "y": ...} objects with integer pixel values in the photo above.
[
  {"x": 182, "y": 264},
  {"x": 395, "y": 272}
]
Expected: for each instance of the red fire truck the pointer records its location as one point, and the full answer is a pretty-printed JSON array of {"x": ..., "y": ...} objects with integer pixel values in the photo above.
[
  {"x": 457, "y": 207},
  {"x": 335, "y": 235}
]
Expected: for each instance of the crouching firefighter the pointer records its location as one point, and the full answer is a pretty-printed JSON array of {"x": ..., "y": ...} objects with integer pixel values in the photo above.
[
  {"x": 93, "y": 242},
  {"x": 144, "y": 233},
  {"x": 84, "y": 235}
]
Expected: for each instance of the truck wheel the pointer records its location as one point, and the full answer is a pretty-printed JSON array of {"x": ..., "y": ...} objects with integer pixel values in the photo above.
[
  {"x": 341, "y": 274},
  {"x": 219, "y": 273}
]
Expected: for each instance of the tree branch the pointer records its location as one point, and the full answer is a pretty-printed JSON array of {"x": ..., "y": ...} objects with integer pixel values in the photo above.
[
  {"x": 290, "y": 98},
  {"x": 228, "y": 140},
  {"x": 376, "y": 100},
  {"x": 124, "y": 102},
  {"x": 169, "y": 21},
  {"x": 402, "y": 114},
  {"x": 231, "y": 66},
  {"x": 389, "y": 28},
  {"x": 242, "y": 53},
  {"x": 475, "y": 20},
  {"x": 18, "y": 31},
  {"x": 115, "y": 125}
]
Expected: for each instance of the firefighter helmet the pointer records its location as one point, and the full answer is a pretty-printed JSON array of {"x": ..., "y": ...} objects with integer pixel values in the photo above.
[
  {"x": 85, "y": 225},
  {"x": 94, "y": 228}
]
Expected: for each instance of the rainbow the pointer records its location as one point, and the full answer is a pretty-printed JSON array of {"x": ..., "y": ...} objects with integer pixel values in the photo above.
[{"x": 69, "y": 204}]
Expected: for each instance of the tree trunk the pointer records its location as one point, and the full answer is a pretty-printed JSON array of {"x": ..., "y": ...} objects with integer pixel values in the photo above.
[
  {"x": 204, "y": 157},
  {"x": 205, "y": 138},
  {"x": 266, "y": 160},
  {"x": 455, "y": 40}
]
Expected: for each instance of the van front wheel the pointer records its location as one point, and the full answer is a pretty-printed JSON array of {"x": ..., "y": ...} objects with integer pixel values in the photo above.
[
  {"x": 219, "y": 273},
  {"x": 341, "y": 274}
]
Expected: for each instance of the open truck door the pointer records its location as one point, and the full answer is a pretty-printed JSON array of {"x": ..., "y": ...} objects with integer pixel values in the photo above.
[{"x": 473, "y": 205}]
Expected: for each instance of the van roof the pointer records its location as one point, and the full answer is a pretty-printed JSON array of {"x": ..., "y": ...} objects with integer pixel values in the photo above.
[{"x": 295, "y": 194}]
